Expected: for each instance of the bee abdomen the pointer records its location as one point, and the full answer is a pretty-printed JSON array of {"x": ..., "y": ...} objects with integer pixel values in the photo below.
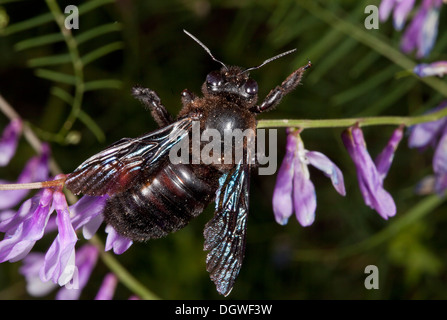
[{"x": 160, "y": 204}]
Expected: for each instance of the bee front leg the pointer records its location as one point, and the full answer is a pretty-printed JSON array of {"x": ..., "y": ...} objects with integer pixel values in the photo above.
[
  {"x": 275, "y": 96},
  {"x": 187, "y": 97},
  {"x": 151, "y": 101}
]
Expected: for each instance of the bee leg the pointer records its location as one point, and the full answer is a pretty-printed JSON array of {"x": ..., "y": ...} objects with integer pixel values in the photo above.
[
  {"x": 151, "y": 101},
  {"x": 275, "y": 96},
  {"x": 187, "y": 97}
]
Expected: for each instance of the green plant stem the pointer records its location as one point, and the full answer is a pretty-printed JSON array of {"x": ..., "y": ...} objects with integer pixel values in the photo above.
[
  {"x": 347, "y": 122},
  {"x": 78, "y": 66},
  {"x": 123, "y": 275}
]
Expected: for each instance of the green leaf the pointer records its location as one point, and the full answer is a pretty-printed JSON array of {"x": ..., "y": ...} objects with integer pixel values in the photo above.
[
  {"x": 91, "y": 5},
  {"x": 96, "y": 32},
  {"x": 50, "y": 60},
  {"x": 56, "y": 76},
  {"x": 102, "y": 84},
  {"x": 98, "y": 53},
  {"x": 29, "y": 23},
  {"x": 91, "y": 124},
  {"x": 63, "y": 95},
  {"x": 39, "y": 41},
  {"x": 365, "y": 86}
]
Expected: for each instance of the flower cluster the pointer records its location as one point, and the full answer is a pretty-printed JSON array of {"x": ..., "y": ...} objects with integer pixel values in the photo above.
[
  {"x": 9, "y": 140},
  {"x": 371, "y": 174},
  {"x": 294, "y": 192},
  {"x": 86, "y": 259},
  {"x": 421, "y": 34},
  {"x": 433, "y": 134},
  {"x": 34, "y": 219}
]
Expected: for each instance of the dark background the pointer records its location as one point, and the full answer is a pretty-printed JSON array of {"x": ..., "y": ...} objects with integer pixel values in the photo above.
[{"x": 348, "y": 79}]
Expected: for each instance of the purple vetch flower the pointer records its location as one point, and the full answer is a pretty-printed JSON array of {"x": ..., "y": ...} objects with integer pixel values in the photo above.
[
  {"x": 9, "y": 141},
  {"x": 433, "y": 134},
  {"x": 294, "y": 191},
  {"x": 86, "y": 259},
  {"x": 32, "y": 220},
  {"x": 108, "y": 286},
  {"x": 384, "y": 160},
  {"x": 20, "y": 239},
  {"x": 428, "y": 133},
  {"x": 422, "y": 32},
  {"x": 30, "y": 270},
  {"x": 371, "y": 174},
  {"x": 36, "y": 169},
  {"x": 438, "y": 68},
  {"x": 400, "y": 9},
  {"x": 59, "y": 259},
  {"x": 115, "y": 241}
]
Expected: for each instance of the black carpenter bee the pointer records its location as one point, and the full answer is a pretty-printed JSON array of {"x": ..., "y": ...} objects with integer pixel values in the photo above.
[{"x": 150, "y": 197}]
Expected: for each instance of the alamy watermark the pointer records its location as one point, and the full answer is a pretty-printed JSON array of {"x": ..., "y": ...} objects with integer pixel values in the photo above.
[
  {"x": 372, "y": 20},
  {"x": 72, "y": 20},
  {"x": 70, "y": 277},
  {"x": 372, "y": 280},
  {"x": 234, "y": 147}
]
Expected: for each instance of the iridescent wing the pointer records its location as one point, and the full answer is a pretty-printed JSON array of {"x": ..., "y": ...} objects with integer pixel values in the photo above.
[
  {"x": 225, "y": 233},
  {"x": 114, "y": 169}
]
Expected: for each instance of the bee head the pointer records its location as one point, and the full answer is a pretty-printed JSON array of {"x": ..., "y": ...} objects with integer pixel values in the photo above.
[{"x": 232, "y": 82}]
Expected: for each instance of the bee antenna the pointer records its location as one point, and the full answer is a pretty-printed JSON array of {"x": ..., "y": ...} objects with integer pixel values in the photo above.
[
  {"x": 269, "y": 60},
  {"x": 205, "y": 48}
]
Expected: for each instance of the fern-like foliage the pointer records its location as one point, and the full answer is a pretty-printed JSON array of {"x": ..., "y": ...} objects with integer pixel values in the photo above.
[{"x": 67, "y": 70}]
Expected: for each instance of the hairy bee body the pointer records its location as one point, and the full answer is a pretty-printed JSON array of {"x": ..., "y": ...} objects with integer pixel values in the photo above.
[
  {"x": 162, "y": 203},
  {"x": 150, "y": 196}
]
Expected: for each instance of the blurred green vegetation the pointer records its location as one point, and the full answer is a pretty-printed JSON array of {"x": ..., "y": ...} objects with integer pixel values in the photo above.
[{"x": 350, "y": 77}]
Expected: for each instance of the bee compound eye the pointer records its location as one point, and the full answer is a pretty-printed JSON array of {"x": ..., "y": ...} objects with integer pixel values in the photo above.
[
  {"x": 214, "y": 79},
  {"x": 251, "y": 87}
]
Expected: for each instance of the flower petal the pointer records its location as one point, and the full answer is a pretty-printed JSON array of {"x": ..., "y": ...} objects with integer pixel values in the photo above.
[
  {"x": 401, "y": 12},
  {"x": 90, "y": 229},
  {"x": 424, "y": 134},
  {"x": 17, "y": 243},
  {"x": 412, "y": 36},
  {"x": 385, "y": 158},
  {"x": 86, "y": 209},
  {"x": 86, "y": 258},
  {"x": 440, "y": 164},
  {"x": 438, "y": 68},
  {"x": 30, "y": 270},
  {"x": 330, "y": 170},
  {"x": 36, "y": 169},
  {"x": 115, "y": 241},
  {"x": 304, "y": 197},
  {"x": 385, "y": 8},
  {"x": 370, "y": 182},
  {"x": 62, "y": 249},
  {"x": 108, "y": 286},
  {"x": 282, "y": 194},
  {"x": 9, "y": 141},
  {"x": 11, "y": 222},
  {"x": 429, "y": 32}
]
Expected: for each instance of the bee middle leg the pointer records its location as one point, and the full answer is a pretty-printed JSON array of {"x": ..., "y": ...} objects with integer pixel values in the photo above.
[
  {"x": 151, "y": 101},
  {"x": 275, "y": 96}
]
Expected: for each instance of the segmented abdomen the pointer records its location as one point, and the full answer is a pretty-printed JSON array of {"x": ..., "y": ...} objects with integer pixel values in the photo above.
[{"x": 162, "y": 203}]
